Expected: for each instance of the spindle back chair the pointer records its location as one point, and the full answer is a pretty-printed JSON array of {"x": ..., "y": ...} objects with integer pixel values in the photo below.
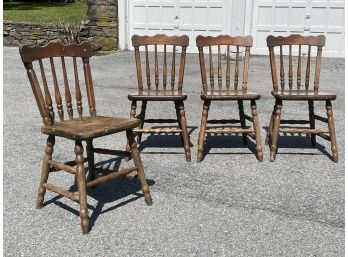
[
  {"x": 229, "y": 87},
  {"x": 80, "y": 128},
  {"x": 161, "y": 87},
  {"x": 297, "y": 87}
]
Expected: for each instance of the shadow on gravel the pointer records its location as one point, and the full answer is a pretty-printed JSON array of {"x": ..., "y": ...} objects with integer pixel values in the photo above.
[
  {"x": 164, "y": 141},
  {"x": 227, "y": 141},
  {"x": 112, "y": 191},
  {"x": 299, "y": 140}
]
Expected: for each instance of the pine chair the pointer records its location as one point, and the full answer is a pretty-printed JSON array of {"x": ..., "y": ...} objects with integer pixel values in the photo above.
[
  {"x": 298, "y": 89},
  {"x": 79, "y": 128},
  {"x": 170, "y": 89},
  {"x": 227, "y": 93}
]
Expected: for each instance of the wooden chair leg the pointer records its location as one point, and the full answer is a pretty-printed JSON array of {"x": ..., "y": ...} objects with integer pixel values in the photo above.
[
  {"x": 81, "y": 186},
  {"x": 184, "y": 131},
  {"x": 45, "y": 171},
  {"x": 140, "y": 169},
  {"x": 90, "y": 157},
  {"x": 276, "y": 124},
  {"x": 331, "y": 126},
  {"x": 242, "y": 120},
  {"x": 178, "y": 118},
  {"x": 312, "y": 120},
  {"x": 201, "y": 137},
  {"x": 256, "y": 124},
  {"x": 132, "y": 114},
  {"x": 142, "y": 118},
  {"x": 270, "y": 126}
]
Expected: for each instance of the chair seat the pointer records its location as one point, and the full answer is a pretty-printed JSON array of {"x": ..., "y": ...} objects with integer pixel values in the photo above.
[
  {"x": 229, "y": 95},
  {"x": 303, "y": 95},
  {"x": 158, "y": 95},
  {"x": 90, "y": 127}
]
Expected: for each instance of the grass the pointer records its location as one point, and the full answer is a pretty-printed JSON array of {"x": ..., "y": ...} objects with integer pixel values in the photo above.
[{"x": 45, "y": 12}]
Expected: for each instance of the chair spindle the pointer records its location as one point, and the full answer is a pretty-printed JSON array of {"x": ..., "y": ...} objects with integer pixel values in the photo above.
[
  {"x": 182, "y": 68},
  {"x": 203, "y": 71},
  {"x": 308, "y": 68},
  {"x": 236, "y": 69},
  {"x": 156, "y": 68},
  {"x": 219, "y": 69},
  {"x": 246, "y": 69},
  {"x": 317, "y": 69},
  {"x": 165, "y": 67},
  {"x": 291, "y": 75},
  {"x": 67, "y": 90},
  {"x": 282, "y": 83},
  {"x": 89, "y": 86},
  {"x": 228, "y": 67},
  {"x": 172, "y": 74},
  {"x": 48, "y": 98},
  {"x": 211, "y": 73},
  {"x": 57, "y": 94},
  {"x": 77, "y": 89},
  {"x": 299, "y": 68},
  {"x": 148, "y": 77}
]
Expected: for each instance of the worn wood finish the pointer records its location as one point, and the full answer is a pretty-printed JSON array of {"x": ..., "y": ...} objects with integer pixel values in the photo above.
[
  {"x": 162, "y": 91},
  {"x": 302, "y": 92},
  {"x": 223, "y": 90},
  {"x": 78, "y": 129}
]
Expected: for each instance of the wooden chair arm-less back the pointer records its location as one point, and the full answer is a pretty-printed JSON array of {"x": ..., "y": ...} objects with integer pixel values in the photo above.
[
  {"x": 291, "y": 42},
  {"x": 174, "y": 42},
  {"x": 31, "y": 54},
  {"x": 230, "y": 42}
]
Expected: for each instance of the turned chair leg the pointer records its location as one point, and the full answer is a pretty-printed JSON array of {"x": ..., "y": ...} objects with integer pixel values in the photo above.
[
  {"x": 132, "y": 114},
  {"x": 184, "y": 132},
  {"x": 242, "y": 120},
  {"x": 270, "y": 126},
  {"x": 140, "y": 169},
  {"x": 312, "y": 120},
  {"x": 178, "y": 118},
  {"x": 81, "y": 186},
  {"x": 45, "y": 171},
  {"x": 142, "y": 118},
  {"x": 256, "y": 124},
  {"x": 331, "y": 126},
  {"x": 201, "y": 137},
  {"x": 90, "y": 157},
  {"x": 276, "y": 124}
]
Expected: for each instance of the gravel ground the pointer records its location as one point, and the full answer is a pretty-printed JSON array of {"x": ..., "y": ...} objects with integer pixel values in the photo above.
[{"x": 228, "y": 205}]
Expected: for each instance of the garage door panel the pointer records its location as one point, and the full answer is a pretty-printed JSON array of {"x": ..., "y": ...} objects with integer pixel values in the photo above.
[
  {"x": 306, "y": 17},
  {"x": 178, "y": 17}
]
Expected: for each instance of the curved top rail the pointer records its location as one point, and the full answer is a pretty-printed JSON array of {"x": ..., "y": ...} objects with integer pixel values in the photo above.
[
  {"x": 160, "y": 39},
  {"x": 296, "y": 39},
  {"x": 54, "y": 49},
  {"x": 202, "y": 41}
]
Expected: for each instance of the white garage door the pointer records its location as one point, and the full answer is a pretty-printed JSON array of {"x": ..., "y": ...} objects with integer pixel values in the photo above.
[
  {"x": 306, "y": 17},
  {"x": 179, "y": 17}
]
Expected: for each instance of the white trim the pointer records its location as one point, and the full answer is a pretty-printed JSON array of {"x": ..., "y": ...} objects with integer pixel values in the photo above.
[
  {"x": 122, "y": 24},
  {"x": 248, "y": 18}
]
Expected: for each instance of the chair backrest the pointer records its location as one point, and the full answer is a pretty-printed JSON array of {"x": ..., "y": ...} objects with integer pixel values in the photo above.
[
  {"x": 238, "y": 45},
  {"x": 166, "y": 43},
  {"x": 303, "y": 46},
  {"x": 36, "y": 56}
]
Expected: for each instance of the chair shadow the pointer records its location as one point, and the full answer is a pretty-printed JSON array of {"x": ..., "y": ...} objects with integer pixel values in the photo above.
[
  {"x": 106, "y": 193},
  {"x": 227, "y": 141},
  {"x": 299, "y": 140},
  {"x": 164, "y": 140}
]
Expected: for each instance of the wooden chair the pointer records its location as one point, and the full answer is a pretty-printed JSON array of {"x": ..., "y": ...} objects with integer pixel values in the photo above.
[
  {"x": 298, "y": 89},
  {"x": 228, "y": 93},
  {"x": 81, "y": 128},
  {"x": 171, "y": 88}
]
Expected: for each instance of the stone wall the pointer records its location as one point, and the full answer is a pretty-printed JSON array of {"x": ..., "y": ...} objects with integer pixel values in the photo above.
[
  {"x": 103, "y": 25},
  {"x": 16, "y": 33},
  {"x": 102, "y": 29}
]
